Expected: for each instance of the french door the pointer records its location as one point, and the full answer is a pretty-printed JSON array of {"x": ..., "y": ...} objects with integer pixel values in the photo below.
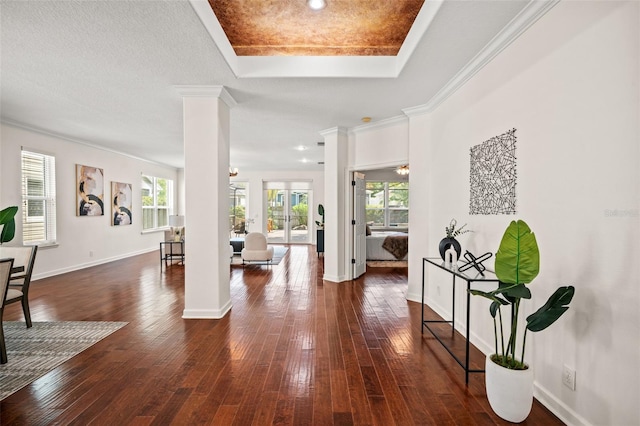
[{"x": 289, "y": 216}]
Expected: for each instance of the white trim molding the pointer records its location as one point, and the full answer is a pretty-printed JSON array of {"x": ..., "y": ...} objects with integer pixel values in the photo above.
[
  {"x": 194, "y": 91},
  {"x": 207, "y": 313},
  {"x": 518, "y": 25}
]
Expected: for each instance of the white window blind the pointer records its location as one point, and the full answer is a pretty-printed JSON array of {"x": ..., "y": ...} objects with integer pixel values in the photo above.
[
  {"x": 157, "y": 202},
  {"x": 38, "y": 198}
]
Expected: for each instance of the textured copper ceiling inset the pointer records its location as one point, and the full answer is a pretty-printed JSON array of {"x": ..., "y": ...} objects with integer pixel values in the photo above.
[{"x": 291, "y": 28}]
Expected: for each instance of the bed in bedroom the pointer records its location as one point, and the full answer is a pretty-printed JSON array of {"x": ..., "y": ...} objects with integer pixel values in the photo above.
[{"x": 387, "y": 245}]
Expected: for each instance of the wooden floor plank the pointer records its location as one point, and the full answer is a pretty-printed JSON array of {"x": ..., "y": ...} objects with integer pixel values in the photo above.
[{"x": 294, "y": 349}]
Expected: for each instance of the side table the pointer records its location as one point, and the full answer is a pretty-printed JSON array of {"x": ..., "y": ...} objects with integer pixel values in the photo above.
[
  {"x": 170, "y": 250},
  {"x": 470, "y": 276},
  {"x": 237, "y": 244}
]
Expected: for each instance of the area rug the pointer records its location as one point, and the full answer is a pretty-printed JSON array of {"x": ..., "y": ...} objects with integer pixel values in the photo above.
[
  {"x": 33, "y": 352},
  {"x": 387, "y": 263},
  {"x": 278, "y": 254}
]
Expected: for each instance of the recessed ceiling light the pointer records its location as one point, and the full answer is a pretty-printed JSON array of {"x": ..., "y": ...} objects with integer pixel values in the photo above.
[
  {"x": 366, "y": 119},
  {"x": 316, "y": 4},
  {"x": 302, "y": 148},
  {"x": 304, "y": 160}
]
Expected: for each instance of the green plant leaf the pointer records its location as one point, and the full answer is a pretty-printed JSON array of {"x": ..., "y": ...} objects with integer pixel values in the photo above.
[
  {"x": 8, "y": 224},
  {"x": 514, "y": 291},
  {"x": 552, "y": 310},
  {"x": 491, "y": 295},
  {"x": 7, "y": 215},
  {"x": 8, "y": 231},
  {"x": 493, "y": 309},
  {"x": 518, "y": 257}
]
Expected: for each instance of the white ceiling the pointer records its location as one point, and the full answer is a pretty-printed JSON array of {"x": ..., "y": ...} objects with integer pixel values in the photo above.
[{"x": 104, "y": 73}]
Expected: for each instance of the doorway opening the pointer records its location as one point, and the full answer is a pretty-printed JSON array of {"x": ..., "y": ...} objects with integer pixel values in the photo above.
[{"x": 381, "y": 219}]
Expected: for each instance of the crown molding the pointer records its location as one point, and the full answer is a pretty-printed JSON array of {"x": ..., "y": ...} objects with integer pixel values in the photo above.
[
  {"x": 334, "y": 130},
  {"x": 416, "y": 110},
  {"x": 38, "y": 130},
  {"x": 377, "y": 125},
  {"x": 518, "y": 25}
]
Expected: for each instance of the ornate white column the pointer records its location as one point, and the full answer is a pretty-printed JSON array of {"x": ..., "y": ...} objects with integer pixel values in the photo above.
[{"x": 206, "y": 111}]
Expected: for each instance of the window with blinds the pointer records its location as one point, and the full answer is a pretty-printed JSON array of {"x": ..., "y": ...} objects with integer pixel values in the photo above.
[
  {"x": 157, "y": 202},
  {"x": 38, "y": 198}
]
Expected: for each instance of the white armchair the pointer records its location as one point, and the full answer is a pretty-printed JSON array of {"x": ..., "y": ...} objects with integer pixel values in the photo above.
[{"x": 256, "y": 249}]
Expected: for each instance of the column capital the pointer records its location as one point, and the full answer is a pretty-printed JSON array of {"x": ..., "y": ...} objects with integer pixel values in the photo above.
[
  {"x": 334, "y": 131},
  {"x": 193, "y": 91}
]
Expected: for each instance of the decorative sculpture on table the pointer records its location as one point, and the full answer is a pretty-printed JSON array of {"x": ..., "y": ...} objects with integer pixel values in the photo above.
[
  {"x": 452, "y": 231},
  {"x": 450, "y": 257},
  {"x": 475, "y": 262}
]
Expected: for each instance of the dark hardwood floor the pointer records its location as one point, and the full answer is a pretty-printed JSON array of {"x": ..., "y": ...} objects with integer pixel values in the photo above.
[{"x": 294, "y": 350}]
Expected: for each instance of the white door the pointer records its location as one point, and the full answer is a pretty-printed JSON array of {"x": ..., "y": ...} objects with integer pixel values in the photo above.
[
  {"x": 359, "y": 226},
  {"x": 288, "y": 215}
]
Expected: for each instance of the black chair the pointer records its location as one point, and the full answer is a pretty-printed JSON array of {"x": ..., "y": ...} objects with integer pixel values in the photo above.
[
  {"x": 239, "y": 229},
  {"x": 5, "y": 274},
  {"x": 19, "y": 283}
]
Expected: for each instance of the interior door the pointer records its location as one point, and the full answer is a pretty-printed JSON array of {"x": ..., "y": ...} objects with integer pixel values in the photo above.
[{"x": 359, "y": 227}]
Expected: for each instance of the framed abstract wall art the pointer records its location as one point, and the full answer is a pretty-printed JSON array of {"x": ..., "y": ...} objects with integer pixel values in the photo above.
[
  {"x": 89, "y": 191},
  {"x": 121, "y": 198},
  {"x": 493, "y": 175}
]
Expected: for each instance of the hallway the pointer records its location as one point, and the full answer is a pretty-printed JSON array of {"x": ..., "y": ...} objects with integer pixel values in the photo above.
[{"x": 293, "y": 350}]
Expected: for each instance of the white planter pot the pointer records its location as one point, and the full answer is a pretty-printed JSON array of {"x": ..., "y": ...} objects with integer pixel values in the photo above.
[{"x": 510, "y": 392}]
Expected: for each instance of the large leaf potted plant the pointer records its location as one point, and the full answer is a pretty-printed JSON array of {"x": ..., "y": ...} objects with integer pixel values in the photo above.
[
  {"x": 8, "y": 223},
  {"x": 509, "y": 380}
]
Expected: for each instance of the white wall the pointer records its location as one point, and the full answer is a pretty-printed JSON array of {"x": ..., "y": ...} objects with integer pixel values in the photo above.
[
  {"x": 570, "y": 85},
  {"x": 78, "y": 236},
  {"x": 380, "y": 144}
]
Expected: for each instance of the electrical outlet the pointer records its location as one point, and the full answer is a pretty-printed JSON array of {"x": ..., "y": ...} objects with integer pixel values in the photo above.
[
  {"x": 569, "y": 377},
  {"x": 90, "y": 254}
]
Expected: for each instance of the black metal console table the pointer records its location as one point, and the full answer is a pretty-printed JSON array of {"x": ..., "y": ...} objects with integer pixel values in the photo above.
[{"x": 470, "y": 275}]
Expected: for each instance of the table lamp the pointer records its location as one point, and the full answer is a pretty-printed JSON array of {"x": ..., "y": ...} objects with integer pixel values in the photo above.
[{"x": 176, "y": 222}]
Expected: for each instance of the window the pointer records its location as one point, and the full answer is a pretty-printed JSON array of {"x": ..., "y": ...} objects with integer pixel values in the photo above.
[
  {"x": 38, "y": 198},
  {"x": 237, "y": 207},
  {"x": 157, "y": 202},
  {"x": 387, "y": 203}
]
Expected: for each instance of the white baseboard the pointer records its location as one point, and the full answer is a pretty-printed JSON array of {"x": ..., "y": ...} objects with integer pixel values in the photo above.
[
  {"x": 80, "y": 266},
  {"x": 207, "y": 313},
  {"x": 557, "y": 407},
  {"x": 547, "y": 399},
  {"x": 335, "y": 278}
]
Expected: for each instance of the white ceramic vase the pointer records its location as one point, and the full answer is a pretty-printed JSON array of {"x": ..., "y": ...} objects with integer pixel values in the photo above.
[{"x": 510, "y": 392}]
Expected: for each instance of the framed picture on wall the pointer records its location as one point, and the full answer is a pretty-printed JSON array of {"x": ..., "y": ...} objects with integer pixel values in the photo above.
[
  {"x": 492, "y": 176},
  {"x": 89, "y": 191},
  {"x": 121, "y": 198}
]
